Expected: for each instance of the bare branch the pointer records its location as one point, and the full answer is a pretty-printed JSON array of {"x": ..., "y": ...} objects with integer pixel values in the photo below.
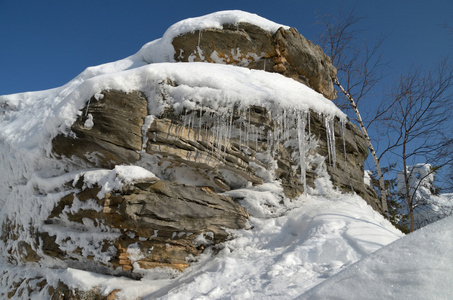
[{"x": 417, "y": 121}]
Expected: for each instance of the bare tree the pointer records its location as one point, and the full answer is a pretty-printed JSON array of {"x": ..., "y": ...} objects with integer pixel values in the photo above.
[
  {"x": 416, "y": 118},
  {"x": 358, "y": 64},
  {"x": 358, "y": 68}
]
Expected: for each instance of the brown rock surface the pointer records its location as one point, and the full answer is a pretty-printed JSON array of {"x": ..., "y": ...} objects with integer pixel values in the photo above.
[
  {"x": 286, "y": 52},
  {"x": 157, "y": 224},
  {"x": 170, "y": 217},
  {"x": 116, "y": 134}
]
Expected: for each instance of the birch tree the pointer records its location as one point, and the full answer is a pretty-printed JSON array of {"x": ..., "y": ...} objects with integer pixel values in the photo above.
[{"x": 358, "y": 71}]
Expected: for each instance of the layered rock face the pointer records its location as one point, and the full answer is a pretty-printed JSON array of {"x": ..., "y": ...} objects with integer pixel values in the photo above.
[
  {"x": 286, "y": 52},
  {"x": 157, "y": 223},
  {"x": 195, "y": 153},
  {"x": 218, "y": 153}
]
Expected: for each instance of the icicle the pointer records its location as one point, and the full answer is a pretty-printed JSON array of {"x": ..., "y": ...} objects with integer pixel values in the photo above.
[
  {"x": 199, "y": 38},
  {"x": 240, "y": 130},
  {"x": 301, "y": 123},
  {"x": 213, "y": 131},
  {"x": 225, "y": 133},
  {"x": 206, "y": 130},
  {"x": 219, "y": 136},
  {"x": 230, "y": 128},
  {"x": 188, "y": 125},
  {"x": 280, "y": 131},
  {"x": 88, "y": 105},
  {"x": 331, "y": 140},
  {"x": 200, "y": 124},
  {"x": 255, "y": 131},
  {"x": 184, "y": 123},
  {"x": 191, "y": 123},
  {"x": 309, "y": 125},
  {"x": 343, "y": 125},
  {"x": 284, "y": 122},
  {"x": 326, "y": 121},
  {"x": 248, "y": 129},
  {"x": 276, "y": 136},
  {"x": 271, "y": 141},
  {"x": 145, "y": 128},
  {"x": 169, "y": 130}
]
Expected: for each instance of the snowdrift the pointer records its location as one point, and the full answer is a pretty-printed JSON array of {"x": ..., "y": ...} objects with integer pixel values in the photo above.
[{"x": 417, "y": 266}]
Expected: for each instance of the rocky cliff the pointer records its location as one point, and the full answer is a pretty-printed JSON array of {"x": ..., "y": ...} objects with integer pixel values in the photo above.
[{"x": 132, "y": 170}]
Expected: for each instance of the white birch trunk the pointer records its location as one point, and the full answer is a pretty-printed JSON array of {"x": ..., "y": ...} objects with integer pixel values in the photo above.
[{"x": 370, "y": 146}]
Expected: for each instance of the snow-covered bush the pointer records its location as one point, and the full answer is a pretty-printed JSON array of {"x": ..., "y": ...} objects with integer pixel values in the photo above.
[{"x": 428, "y": 205}]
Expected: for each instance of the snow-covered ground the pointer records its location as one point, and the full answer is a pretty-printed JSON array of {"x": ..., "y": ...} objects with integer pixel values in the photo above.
[
  {"x": 290, "y": 247},
  {"x": 417, "y": 266},
  {"x": 294, "y": 250}
]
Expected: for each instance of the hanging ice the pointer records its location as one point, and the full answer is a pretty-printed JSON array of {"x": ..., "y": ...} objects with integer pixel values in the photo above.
[
  {"x": 301, "y": 122},
  {"x": 330, "y": 132},
  {"x": 236, "y": 127},
  {"x": 343, "y": 125}
]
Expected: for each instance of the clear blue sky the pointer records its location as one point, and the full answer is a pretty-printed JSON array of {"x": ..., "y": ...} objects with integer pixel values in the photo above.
[{"x": 44, "y": 44}]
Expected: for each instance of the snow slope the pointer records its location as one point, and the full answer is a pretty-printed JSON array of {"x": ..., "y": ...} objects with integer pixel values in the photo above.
[
  {"x": 291, "y": 246},
  {"x": 417, "y": 266},
  {"x": 295, "y": 247}
]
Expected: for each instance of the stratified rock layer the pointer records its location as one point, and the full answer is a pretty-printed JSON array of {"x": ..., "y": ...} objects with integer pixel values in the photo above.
[
  {"x": 161, "y": 222},
  {"x": 171, "y": 146}
]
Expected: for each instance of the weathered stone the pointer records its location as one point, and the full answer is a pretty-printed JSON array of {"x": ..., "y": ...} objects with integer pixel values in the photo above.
[
  {"x": 27, "y": 287},
  {"x": 164, "y": 221},
  {"x": 351, "y": 153},
  {"x": 181, "y": 147},
  {"x": 247, "y": 45},
  {"x": 306, "y": 61},
  {"x": 116, "y": 134},
  {"x": 63, "y": 292}
]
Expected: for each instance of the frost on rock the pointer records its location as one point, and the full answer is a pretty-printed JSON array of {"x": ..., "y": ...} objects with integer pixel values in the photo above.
[
  {"x": 367, "y": 177},
  {"x": 89, "y": 122}
]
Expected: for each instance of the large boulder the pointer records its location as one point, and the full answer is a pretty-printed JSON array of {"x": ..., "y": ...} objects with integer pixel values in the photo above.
[
  {"x": 286, "y": 52},
  {"x": 194, "y": 137}
]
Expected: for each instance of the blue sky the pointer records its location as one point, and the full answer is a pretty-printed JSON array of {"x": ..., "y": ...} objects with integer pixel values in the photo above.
[{"x": 44, "y": 44}]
